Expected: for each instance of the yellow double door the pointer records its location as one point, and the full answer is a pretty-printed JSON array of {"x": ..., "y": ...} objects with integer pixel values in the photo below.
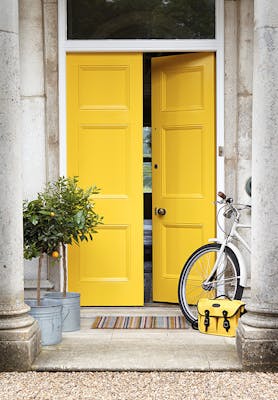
[{"x": 104, "y": 147}]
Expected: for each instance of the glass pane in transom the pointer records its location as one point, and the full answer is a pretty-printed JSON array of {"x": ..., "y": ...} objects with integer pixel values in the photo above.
[{"x": 141, "y": 19}]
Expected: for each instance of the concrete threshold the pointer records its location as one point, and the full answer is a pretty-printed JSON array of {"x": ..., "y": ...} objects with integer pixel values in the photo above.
[{"x": 137, "y": 349}]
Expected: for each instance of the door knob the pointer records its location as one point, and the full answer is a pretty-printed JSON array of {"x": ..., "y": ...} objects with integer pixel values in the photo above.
[{"x": 160, "y": 211}]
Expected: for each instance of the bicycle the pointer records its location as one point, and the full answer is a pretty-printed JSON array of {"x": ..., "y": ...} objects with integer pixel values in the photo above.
[{"x": 215, "y": 269}]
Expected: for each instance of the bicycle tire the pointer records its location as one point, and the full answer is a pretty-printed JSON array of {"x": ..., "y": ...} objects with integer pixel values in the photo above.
[{"x": 231, "y": 277}]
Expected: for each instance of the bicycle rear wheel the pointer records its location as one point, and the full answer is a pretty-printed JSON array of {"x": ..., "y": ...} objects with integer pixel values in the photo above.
[{"x": 195, "y": 272}]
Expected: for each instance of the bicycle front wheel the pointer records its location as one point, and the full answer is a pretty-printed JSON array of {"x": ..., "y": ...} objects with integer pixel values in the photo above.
[{"x": 193, "y": 285}]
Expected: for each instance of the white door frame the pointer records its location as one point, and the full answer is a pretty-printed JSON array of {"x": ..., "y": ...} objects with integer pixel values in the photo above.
[{"x": 177, "y": 45}]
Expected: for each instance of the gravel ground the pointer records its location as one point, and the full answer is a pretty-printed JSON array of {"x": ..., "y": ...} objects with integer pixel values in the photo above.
[{"x": 137, "y": 385}]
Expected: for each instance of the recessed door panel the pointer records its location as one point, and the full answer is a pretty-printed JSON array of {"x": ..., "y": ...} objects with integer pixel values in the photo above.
[
  {"x": 174, "y": 238},
  {"x": 116, "y": 157},
  {"x": 187, "y": 145},
  {"x": 111, "y": 87},
  {"x": 189, "y": 80}
]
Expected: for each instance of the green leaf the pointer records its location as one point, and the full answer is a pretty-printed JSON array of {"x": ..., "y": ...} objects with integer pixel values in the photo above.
[
  {"x": 34, "y": 219},
  {"x": 43, "y": 212}
]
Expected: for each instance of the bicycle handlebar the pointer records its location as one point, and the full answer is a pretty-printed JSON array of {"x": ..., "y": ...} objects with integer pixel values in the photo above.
[
  {"x": 228, "y": 200},
  {"x": 222, "y": 195},
  {"x": 232, "y": 209}
]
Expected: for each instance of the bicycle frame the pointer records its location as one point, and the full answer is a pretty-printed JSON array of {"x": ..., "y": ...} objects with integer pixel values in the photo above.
[{"x": 228, "y": 243}]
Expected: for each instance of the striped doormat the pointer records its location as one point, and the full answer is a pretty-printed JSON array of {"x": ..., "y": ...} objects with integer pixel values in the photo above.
[{"x": 144, "y": 322}]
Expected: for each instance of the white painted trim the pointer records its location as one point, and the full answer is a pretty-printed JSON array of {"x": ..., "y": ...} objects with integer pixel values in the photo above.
[
  {"x": 139, "y": 45},
  {"x": 216, "y": 45}
]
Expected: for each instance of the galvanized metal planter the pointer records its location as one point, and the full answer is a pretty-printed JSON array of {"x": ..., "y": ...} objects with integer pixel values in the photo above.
[
  {"x": 70, "y": 309},
  {"x": 49, "y": 317}
]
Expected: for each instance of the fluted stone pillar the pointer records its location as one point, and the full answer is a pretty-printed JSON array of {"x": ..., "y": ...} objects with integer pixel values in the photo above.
[
  {"x": 257, "y": 336},
  {"x": 19, "y": 333}
]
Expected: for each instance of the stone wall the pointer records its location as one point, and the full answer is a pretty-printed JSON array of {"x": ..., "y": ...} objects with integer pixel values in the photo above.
[
  {"x": 50, "y": 41},
  {"x": 239, "y": 26},
  {"x": 238, "y": 96},
  {"x": 39, "y": 100},
  {"x": 33, "y": 108}
]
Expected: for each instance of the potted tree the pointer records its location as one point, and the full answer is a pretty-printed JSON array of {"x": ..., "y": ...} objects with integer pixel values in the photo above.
[
  {"x": 40, "y": 240},
  {"x": 62, "y": 214},
  {"x": 76, "y": 220}
]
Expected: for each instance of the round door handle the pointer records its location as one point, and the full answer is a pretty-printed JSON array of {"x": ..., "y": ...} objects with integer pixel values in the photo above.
[{"x": 160, "y": 211}]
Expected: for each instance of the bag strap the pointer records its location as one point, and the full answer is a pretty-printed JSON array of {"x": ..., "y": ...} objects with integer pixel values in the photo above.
[
  {"x": 222, "y": 295},
  {"x": 243, "y": 312},
  {"x": 206, "y": 320}
]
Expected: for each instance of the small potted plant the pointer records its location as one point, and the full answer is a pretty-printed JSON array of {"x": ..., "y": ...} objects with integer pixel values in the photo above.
[{"x": 62, "y": 214}]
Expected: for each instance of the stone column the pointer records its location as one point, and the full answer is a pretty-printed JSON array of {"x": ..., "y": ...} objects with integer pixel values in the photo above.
[
  {"x": 257, "y": 336},
  {"x": 19, "y": 333}
]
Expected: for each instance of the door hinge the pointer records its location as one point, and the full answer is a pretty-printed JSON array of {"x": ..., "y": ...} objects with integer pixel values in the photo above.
[{"x": 221, "y": 151}]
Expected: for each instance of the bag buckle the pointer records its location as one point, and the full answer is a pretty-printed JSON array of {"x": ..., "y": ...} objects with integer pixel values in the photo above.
[{"x": 226, "y": 323}]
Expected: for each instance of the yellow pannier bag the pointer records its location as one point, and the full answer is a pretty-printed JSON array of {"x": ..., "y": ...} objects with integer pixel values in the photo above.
[{"x": 219, "y": 316}]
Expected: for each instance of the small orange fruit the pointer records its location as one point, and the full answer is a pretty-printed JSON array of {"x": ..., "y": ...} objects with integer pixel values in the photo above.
[
  {"x": 52, "y": 214},
  {"x": 55, "y": 254}
]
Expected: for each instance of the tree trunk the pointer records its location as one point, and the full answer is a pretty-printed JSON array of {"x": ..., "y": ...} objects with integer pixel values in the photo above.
[
  {"x": 64, "y": 270},
  {"x": 39, "y": 281}
]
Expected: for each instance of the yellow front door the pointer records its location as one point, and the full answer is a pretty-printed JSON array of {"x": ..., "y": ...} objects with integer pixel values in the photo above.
[
  {"x": 104, "y": 147},
  {"x": 183, "y": 126}
]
